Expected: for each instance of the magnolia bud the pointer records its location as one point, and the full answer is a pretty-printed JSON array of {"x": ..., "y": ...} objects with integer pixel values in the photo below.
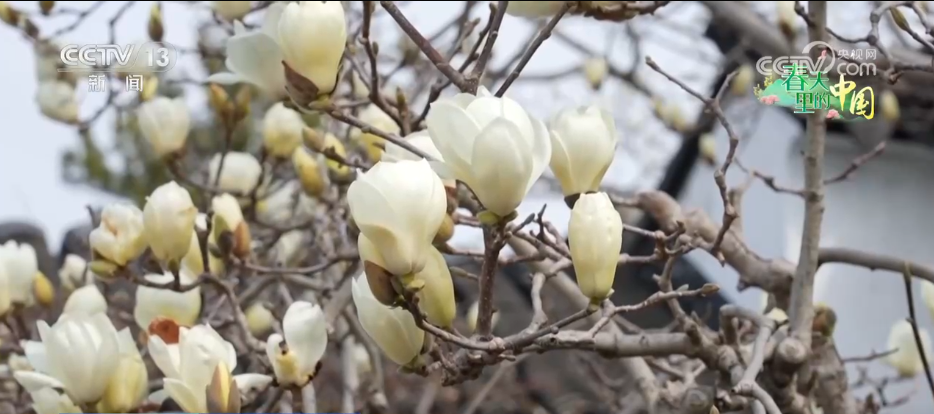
[
  {"x": 165, "y": 123},
  {"x": 319, "y": 61},
  {"x": 231, "y": 10},
  {"x": 927, "y": 295},
  {"x": 446, "y": 231},
  {"x": 169, "y": 220},
  {"x": 43, "y": 289},
  {"x": 282, "y": 131},
  {"x": 229, "y": 218},
  {"x": 890, "y": 108},
  {"x": 474, "y": 312},
  {"x": 87, "y": 300},
  {"x": 583, "y": 142},
  {"x": 156, "y": 29},
  {"x": 329, "y": 143},
  {"x": 408, "y": 49},
  {"x": 8, "y": 14},
  {"x": 595, "y": 236},
  {"x": 374, "y": 116},
  {"x": 595, "y": 70},
  {"x": 150, "y": 87},
  {"x": 222, "y": 394},
  {"x": 259, "y": 319},
  {"x": 825, "y": 320},
  {"x": 74, "y": 273},
  {"x": 907, "y": 358},
  {"x": 899, "y": 18},
  {"x": 128, "y": 386},
  {"x": 745, "y": 75},
  {"x": 219, "y": 100},
  {"x": 46, "y": 7},
  {"x": 309, "y": 172},
  {"x": 360, "y": 88},
  {"x": 708, "y": 148}
]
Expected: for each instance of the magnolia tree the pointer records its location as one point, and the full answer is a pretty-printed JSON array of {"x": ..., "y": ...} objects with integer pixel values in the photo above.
[{"x": 255, "y": 276}]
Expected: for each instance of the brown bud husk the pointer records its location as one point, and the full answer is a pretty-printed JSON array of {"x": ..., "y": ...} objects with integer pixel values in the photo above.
[
  {"x": 380, "y": 282},
  {"x": 302, "y": 90},
  {"x": 242, "y": 240},
  {"x": 825, "y": 320},
  {"x": 46, "y": 7},
  {"x": 156, "y": 29},
  {"x": 8, "y": 14},
  {"x": 43, "y": 289}
]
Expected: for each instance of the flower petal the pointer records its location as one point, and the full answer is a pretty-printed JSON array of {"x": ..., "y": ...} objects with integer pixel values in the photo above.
[
  {"x": 34, "y": 381},
  {"x": 186, "y": 398},
  {"x": 257, "y": 58},
  {"x": 501, "y": 167}
]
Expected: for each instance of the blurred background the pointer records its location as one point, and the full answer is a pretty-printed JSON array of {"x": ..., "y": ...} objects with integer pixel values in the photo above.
[{"x": 48, "y": 179}]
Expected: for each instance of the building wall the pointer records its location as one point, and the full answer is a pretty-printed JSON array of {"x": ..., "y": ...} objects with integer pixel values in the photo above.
[{"x": 884, "y": 208}]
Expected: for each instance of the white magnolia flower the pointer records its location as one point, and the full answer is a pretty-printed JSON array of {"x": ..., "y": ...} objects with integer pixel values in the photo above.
[
  {"x": 583, "y": 142},
  {"x": 309, "y": 172},
  {"x": 169, "y": 220},
  {"x": 306, "y": 339},
  {"x": 189, "y": 365},
  {"x": 231, "y": 10},
  {"x": 907, "y": 359},
  {"x": 87, "y": 300},
  {"x": 595, "y": 71},
  {"x": 399, "y": 207},
  {"x": 75, "y": 273},
  {"x": 76, "y": 354},
  {"x": 595, "y": 236},
  {"x": 240, "y": 174},
  {"x": 49, "y": 401},
  {"x": 318, "y": 60},
  {"x": 436, "y": 298},
  {"x": 129, "y": 384},
  {"x": 374, "y": 116},
  {"x": 282, "y": 130},
  {"x": 19, "y": 261},
  {"x": 152, "y": 303},
  {"x": 256, "y": 57},
  {"x": 889, "y": 107},
  {"x": 533, "y": 9},
  {"x": 56, "y": 100},
  {"x": 393, "y": 329},
  {"x": 422, "y": 141},
  {"x": 165, "y": 123},
  {"x": 492, "y": 145},
  {"x": 121, "y": 236}
]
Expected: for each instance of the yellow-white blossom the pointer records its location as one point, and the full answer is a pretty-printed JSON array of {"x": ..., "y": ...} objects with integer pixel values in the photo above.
[
  {"x": 121, "y": 235},
  {"x": 399, "y": 206},
  {"x": 21, "y": 268},
  {"x": 74, "y": 273},
  {"x": 86, "y": 300},
  {"x": 152, "y": 303},
  {"x": 595, "y": 236},
  {"x": 421, "y": 141},
  {"x": 164, "y": 122},
  {"x": 376, "y": 117},
  {"x": 282, "y": 130},
  {"x": 240, "y": 173},
  {"x": 583, "y": 142},
  {"x": 57, "y": 101},
  {"x": 491, "y": 144},
  {"x": 393, "y": 329},
  {"x": 304, "y": 331},
  {"x": 169, "y": 220},
  {"x": 907, "y": 358},
  {"x": 231, "y": 10}
]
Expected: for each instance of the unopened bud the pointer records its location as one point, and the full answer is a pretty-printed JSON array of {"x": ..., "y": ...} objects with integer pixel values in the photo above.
[
  {"x": 150, "y": 87},
  {"x": 103, "y": 268},
  {"x": 474, "y": 312},
  {"x": 899, "y": 18},
  {"x": 242, "y": 103},
  {"x": 445, "y": 231},
  {"x": 708, "y": 149},
  {"x": 309, "y": 172},
  {"x": 222, "y": 394},
  {"x": 219, "y": 100},
  {"x": 156, "y": 29},
  {"x": 743, "y": 80},
  {"x": 408, "y": 49},
  {"x": 360, "y": 88},
  {"x": 825, "y": 320},
  {"x": 43, "y": 289},
  {"x": 8, "y": 14},
  {"x": 46, "y": 7},
  {"x": 595, "y": 70},
  {"x": 259, "y": 319},
  {"x": 889, "y": 105}
]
